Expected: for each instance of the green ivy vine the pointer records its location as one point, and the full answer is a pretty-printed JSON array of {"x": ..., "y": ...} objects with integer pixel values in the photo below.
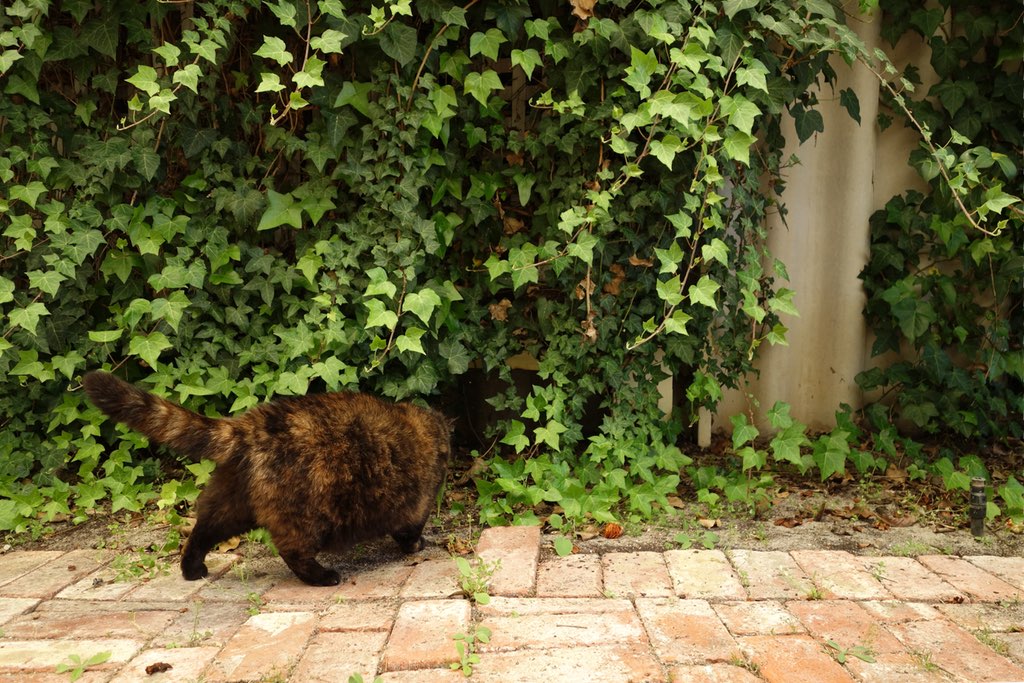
[
  {"x": 235, "y": 199},
  {"x": 946, "y": 266}
]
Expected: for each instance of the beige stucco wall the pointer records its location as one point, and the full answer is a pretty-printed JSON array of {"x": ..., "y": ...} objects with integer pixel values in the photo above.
[{"x": 845, "y": 174}]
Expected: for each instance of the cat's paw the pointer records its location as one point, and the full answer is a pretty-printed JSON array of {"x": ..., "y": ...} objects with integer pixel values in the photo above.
[
  {"x": 194, "y": 572},
  {"x": 410, "y": 545},
  {"x": 328, "y": 577}
]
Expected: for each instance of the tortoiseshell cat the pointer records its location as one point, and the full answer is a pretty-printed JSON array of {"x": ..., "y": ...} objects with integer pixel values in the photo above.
[{"x": 318, "y": 471}]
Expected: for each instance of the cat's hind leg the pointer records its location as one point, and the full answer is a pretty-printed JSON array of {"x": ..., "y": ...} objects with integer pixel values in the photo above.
[{"x": 303, "y": 562}]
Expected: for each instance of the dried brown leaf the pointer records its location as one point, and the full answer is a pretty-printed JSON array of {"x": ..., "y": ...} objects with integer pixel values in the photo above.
[
  {"x": 229, "y": 545},
  {"x": 584, "y": 9},
  {"x": 635, "y": 260},
  {"x": 499, "y": 311},
  {"x": 614, "y": 286},
  {"x": 511, "y": 224},
  {"x": 897, "y": 474}
]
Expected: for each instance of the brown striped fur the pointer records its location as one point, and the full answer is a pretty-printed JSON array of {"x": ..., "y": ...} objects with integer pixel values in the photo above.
[{"x": 318, "y": 471}]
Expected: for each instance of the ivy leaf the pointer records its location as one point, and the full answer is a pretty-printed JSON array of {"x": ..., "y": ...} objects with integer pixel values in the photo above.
[
  {"x": 549, "y": 434},
  {"x": 527, "y": 60},
  {"x": 6, "y": 290},
  {"x": 146, "y": 161},
  {"x": 170, "y": 308},
  {"x": 207, "y": 49},
  {"x": 677, "y": 323},
  {"x": 741, "y": 112},
  {"x": 379, "y": 315},
  {"x": 665, "y": 149},
  {"x": 356, "y": 95},
  {"x": 668, "y": 291},
  {"x": 68, "y": 363},
  {"x": 7, "y": 59},
  {"x": 455, "y": 353},
  {"x": 732, "y": 7},
  {"x": 169, "y": 52},
  {"x": 487, "y": 43},
  {"x": 148, "y": 347},
  {"x": 269, "y": 82},
  {"x": 807, "y": 122},
  {"x": 47, "y": 281},
  {"x": 282, "y": 210},
  {"x": 16, "y": 85},
  {"x": 849, "y": 100},
  {"x": 105, "y": 336},
  {"x": 753, "y": 75},
  {"x": 737, "y": 146},
  {"x": 162, "y": 101},
  {"x": 398, "y": 41},
  {"x": 643, "y": 66},
  {"x": 481, "y": 85},
  {"x": 830, "y": 454},
  {"x": 275, "y": 49},
  {"x": 410, "y": 341},
  {"x": 704, "y": 292},
  {"x": 422, "y": 304},
  {"x": 188, "y": 77},
  {"x": 101, "y": 34},
  {"x": 310, "y": 76},
  {"x": 716, "y": 250},
  {"x": 752, "y": 459},
  {"x": 516, "y": 436},
  {"x": 28, "y": 317},
  {"x": 329, "y": 41},
  {"x": 379, "y": 284},
  {"x": 284, "y": 11},
  {"x": 145, "y": 80},
  {"x": 28, "y": 193},
  {"x": 30, "y": 365},
  {"x": 456, "y": 16},
  {"x": 563, "y": 546},
  {"x": 782, "y": 302},
  {"x": 787, "y": 442},
  {"x": 742, "y": 431}
]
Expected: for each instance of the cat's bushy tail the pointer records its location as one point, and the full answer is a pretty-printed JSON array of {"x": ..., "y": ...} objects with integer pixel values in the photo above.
[{"x": 159, "y": 419}]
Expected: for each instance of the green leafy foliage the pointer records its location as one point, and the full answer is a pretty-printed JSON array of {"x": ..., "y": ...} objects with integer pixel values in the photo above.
[
  {"x": 943, "y": 281},
  {"x": 231, "y": 200}
]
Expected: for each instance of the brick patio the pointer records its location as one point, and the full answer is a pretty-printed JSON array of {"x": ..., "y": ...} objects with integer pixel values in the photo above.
[{"x": 693, "y": 615}]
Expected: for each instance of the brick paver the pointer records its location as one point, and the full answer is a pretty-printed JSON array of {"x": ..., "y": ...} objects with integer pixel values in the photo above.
[
  {"x": 703, "y": 574},
  {"x": 792, "y": 659},
  {"x": 1009, "y": 569},
  {"x": 770, "y": 575},
  {"x": 649, "y": 617},
  {"x": 956, "y": 651},
  {"x": 422, "y": 634},
  {"x": 513, "y": 552},
  {"x": 266, "y": 644},
  {"x": 971, "y": 579},
  {"x": 686, "y": 631},
  {"x": 838, "y": 574},
  {"x": 577, "y": 576},
  {"x": 642, "y": 574}
]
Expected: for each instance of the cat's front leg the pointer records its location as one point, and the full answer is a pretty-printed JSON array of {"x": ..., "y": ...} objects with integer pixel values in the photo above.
[{"x": 410, "y": 538}]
